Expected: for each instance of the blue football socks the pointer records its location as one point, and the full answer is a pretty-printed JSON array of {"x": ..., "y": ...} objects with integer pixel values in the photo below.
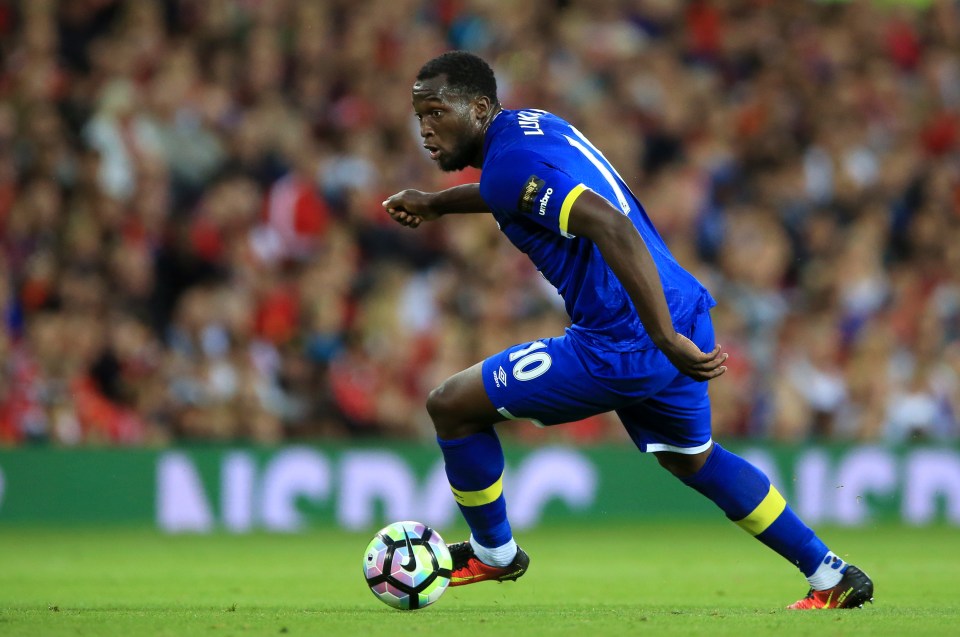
[
  {"x": 745, "y": 494},
  {"x": 474, "y": 466}
]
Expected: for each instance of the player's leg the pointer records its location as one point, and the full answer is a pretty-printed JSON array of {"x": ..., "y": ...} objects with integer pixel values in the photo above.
[
  {"x": 675, "y": 425},
  {"x": 460, "y": 407},
  {"x": 746, "y": 496},
  {"x": 519, "y": 383},
  {"x": 463, "y": 417}
]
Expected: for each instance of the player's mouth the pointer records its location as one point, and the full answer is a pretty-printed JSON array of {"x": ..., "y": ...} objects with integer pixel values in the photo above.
[{"x": 433, "y": 150}]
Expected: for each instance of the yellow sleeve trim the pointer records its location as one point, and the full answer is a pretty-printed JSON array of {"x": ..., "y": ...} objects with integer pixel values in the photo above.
[
  {"x": 567, "y": 206},
  {"x": 479, "y": 498},
  {"x": 765, "y": 514}
]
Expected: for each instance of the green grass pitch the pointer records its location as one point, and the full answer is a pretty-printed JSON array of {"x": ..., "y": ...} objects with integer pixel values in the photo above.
[{"x": 653, "y": 579}]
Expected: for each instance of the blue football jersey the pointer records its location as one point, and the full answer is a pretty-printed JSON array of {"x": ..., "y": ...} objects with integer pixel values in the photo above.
[{"x": 535, "y": 166}]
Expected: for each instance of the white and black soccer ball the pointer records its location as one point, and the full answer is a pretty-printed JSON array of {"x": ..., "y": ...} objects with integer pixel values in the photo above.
[{"x": 407, "y": 565}]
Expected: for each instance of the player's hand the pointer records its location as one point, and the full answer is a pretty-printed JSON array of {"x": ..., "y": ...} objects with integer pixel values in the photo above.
[
  {"x": 687, "y": 357},
  {"x": 410, "y": 207}
]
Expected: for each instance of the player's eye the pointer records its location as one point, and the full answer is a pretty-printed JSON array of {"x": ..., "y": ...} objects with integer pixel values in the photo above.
[{"x": 436, "y": 113}]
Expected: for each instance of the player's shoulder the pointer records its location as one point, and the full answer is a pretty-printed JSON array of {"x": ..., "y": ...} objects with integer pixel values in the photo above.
[
  {"x": 504, "y": 171},
  {"x": 521, "y": 146},
  {"x": 518, "y": 137}
]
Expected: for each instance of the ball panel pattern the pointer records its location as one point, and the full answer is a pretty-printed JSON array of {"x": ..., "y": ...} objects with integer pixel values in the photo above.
[{"x": 407, "y": 565}]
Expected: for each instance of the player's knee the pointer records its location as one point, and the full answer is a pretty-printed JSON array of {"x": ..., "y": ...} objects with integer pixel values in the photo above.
[{"x": 441, "y": 405}]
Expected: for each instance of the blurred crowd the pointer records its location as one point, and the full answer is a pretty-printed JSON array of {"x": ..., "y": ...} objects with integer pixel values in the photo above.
[{"x": 193, "y": 248}]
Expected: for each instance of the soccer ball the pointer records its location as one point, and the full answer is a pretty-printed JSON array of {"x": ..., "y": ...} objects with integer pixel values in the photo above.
[{"x": 407, "y": 565}]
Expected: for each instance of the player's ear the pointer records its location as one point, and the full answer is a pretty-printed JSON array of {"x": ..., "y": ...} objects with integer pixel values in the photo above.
[{"x": 481, "y": 107}]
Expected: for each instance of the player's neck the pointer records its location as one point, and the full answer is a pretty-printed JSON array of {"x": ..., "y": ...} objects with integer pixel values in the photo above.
[{"x": 484, "y": 129}]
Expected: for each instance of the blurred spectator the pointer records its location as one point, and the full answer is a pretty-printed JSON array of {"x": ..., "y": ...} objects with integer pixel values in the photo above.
[{"x": 192, "y": 245}]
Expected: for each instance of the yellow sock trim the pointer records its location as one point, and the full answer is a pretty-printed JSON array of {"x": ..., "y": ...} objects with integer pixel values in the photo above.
[
  {"x": 765, "y": 514},
  {"x": 479, "y": 498},
  {"x": 567, "y": 206}
]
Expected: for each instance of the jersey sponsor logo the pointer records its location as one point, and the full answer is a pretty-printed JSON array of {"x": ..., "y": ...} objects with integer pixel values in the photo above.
[
  {"x": 544, "y": 200},
  {"x": 529, "y": 194}
]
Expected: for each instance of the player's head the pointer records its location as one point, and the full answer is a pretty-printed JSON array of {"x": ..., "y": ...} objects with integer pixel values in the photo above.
[{"x": 455, "y": 98}]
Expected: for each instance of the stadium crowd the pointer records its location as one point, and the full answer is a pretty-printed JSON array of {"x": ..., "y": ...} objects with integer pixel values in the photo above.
[{"x": 193, "y": 248}]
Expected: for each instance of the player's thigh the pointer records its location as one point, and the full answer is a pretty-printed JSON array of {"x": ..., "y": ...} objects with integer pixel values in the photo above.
[
  {"x": 677, "y": 418},
  {"x": 545, "y": 381},
  {"x": 678, "y": 426}
]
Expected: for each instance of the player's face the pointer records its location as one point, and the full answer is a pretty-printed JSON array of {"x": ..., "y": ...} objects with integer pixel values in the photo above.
[{"x": 450, "y": 124}]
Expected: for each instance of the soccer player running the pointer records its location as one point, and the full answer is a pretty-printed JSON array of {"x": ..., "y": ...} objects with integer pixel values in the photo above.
[{"x": 641, "y": 341}]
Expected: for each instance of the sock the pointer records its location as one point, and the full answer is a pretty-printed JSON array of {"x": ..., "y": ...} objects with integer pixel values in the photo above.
[
  {"x": 829, "y": 572},
  {"x": 499, "y": 556},
  {"x": 745, "y": 495},
  {"x": 474, "y": 466}
]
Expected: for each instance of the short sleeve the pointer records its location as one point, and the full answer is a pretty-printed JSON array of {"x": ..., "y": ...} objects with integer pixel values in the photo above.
[{"x": 524, "y": 184}]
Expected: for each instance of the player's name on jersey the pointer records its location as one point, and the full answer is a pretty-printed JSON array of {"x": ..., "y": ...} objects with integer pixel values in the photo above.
[{"x": 529, "y": 121}]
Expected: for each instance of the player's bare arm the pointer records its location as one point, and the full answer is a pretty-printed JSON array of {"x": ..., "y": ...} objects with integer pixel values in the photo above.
[
  {"x": 627, "y": 255},
  {"x": 412, "y": 207}
]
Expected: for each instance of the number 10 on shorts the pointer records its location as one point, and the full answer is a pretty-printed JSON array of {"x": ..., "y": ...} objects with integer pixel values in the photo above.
[{"x": 529, "y": 363}]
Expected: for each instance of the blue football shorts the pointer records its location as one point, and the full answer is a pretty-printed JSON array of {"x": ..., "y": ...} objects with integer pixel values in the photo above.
[{"x": 562, "y": 379}]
